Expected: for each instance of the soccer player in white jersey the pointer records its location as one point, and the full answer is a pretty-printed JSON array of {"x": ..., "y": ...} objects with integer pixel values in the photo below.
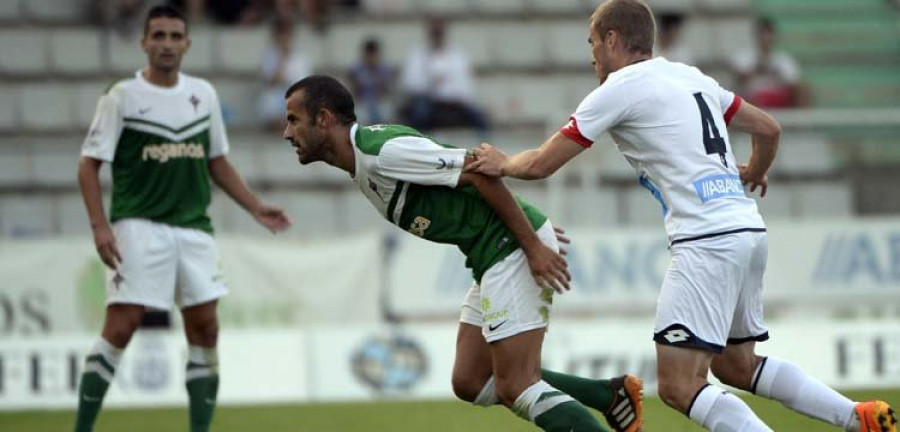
[
  {"x": 418, "y": 185},
  {"x": 669, "y": 122},
  {"x": 162, "y": 132}
]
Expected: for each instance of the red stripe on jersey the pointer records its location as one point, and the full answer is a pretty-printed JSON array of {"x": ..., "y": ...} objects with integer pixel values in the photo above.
[
  {"x": 570, "y": 130},
  {"x": 732, "y": 110}
]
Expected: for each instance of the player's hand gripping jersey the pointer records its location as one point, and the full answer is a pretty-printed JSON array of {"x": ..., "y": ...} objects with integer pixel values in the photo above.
[
  {"x": 669, "y": 121},
  {"x": 159, "y": 141},
  {"x": 411, "y": 181}
]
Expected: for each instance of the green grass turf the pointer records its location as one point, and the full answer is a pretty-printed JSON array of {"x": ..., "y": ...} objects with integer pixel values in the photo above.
[{"x": 439, "y": 416}]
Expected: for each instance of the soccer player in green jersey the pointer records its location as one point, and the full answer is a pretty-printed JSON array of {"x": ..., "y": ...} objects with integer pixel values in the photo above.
[
  {"x": 162, "y": 132},
  {"x": 511, "y": 247}
]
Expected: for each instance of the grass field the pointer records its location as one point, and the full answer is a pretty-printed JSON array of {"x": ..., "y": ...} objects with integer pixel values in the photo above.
[{"x": 442, "y": 416}]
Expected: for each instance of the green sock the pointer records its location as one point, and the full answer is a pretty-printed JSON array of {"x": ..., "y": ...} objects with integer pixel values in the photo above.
[
  {"x": 596, "y": 394},
  {"x": 99, "y": 369},
  {"x": 202, "y": 386},
  {"x": 553, "y": 410}
]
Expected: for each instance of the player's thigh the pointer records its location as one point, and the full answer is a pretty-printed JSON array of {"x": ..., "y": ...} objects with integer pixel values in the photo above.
[
  {"x": 699, "y": 294},
  {"x": 473, "y": 365},
  {"x": 748, "y": 324},
  {"x": 147, "y": 273},
  {"x": 200, "y": 278},
  {"x": 511, "y": 300}
]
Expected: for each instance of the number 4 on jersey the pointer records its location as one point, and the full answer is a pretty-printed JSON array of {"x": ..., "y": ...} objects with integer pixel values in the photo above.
[{"x": 713, "y": 142}]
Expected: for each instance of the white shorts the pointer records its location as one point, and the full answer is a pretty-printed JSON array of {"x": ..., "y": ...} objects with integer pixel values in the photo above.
[
  {"x": 509, "y": 301},
  {"x": 712, "y": 293},
  {"x": 164, "y": 265}
]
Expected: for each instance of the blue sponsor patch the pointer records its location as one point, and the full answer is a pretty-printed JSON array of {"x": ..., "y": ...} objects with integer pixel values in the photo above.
[{"x": 718, "y": 186}]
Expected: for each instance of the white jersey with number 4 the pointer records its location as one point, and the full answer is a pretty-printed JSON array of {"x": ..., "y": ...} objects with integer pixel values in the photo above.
[{"x": 669, "y": 121}]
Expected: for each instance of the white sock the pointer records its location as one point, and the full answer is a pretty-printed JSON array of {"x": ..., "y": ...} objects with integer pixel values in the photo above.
[
  {"x": 106, "y": 365},
  {"x": 787, "y": 383},
  {"x": 720, "y": 411},
  {"x": 202, "y": 362},
  {"x": 487, "y": 396},
  {"x": 529, "y": 408}
]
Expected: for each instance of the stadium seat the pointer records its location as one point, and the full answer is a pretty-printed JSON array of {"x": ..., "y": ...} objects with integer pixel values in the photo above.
[
  {"x": 75, "y": 51},
  {"x": 805, "y": 153},
  {"x": 389, "y": 7},
  {"x": 10, "y": 11},
  {"x": 86, "y": 96},
  {"x": 568, "y": 43},
  {"x": 559, "y": 5},
  {"x": 72, "y": 216},
  {"x": 125, "y": 55},
  {"x": 730, "y": 35},
  {"x": 515, "y": 45},
  {"x": 241, "y": 49},
  {"x": 25, "y": 216},
  {"x": 641, "y": 209},
  {"x": 698, "y": 33},
  {"x": 397, "y": 41},
  {"x": 56, "y": 162},
  {"x": 438, "y": 7},
  {"x": 23, "y": 51},
  {"x": 575, "y": 88},
  {"x": 199, "y": 59},
  {"x": 494, "y": 94},
  {"x": 14, "y": 167},
  {"x": 468, "y": 37},
  {"x": 311, "y": 44},
  {"x": 588, "y": 206},
  {"x": 735, "y": 6},
  {"x": 55, "y": 10},
  {"x": 47, "y": 107},
  {"x": 239, "y": 100},
  {"x": 535, "y": 99},
  {"x": 9, "y": 109},
  {"x": 825, "y": 199},
  {"x": 503, "y": 7},
  {"x": 244, "y": 153},
  {"x": 357, "y": 215}
]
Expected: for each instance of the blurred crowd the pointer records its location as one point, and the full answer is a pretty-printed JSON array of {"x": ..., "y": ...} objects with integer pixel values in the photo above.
[{"x": 434, "y": 87}]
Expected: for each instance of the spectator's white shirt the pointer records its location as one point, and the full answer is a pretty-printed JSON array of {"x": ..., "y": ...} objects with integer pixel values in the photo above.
[
  {"x": 669, "y": 122},
  {"x": 444, "y": 75},
  {"x": 296, "y": 67},
  {"x": 780, "y": 70}
]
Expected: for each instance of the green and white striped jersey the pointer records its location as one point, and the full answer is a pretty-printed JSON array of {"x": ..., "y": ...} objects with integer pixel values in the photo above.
[
  {"x": 159, "y": 141},
  {"x": 411, "y": 180}
]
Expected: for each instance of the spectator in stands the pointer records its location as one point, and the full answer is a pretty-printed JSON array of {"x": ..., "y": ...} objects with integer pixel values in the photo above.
[
  {"x": 371, "y": 80},
  {"x": 282, "y": 65},
  {"x": 438, "y": 86},
  {"x": 241, "y": 12},
  {"x": 671, "y": 46},
  {"x": 766, "y": 77}
]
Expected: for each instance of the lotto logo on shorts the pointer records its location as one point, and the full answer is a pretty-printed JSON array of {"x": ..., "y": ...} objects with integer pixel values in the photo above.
[
  {"x": 719, "y": 186},
  {"x": 676, "y": 336}
]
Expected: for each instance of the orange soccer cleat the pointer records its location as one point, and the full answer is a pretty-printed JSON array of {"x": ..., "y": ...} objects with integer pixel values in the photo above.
[
  {"x": 626, "y": 412},
  {"x": 876, "y": 416}
]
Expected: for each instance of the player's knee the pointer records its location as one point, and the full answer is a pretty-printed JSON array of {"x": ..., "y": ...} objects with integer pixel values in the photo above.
[
  {"x": 737, "y": 373},
  {"x": 466, "y": 388},
  {"x": 674, "y": 390},
  {"x": 204, "y": 333},
  {"x": 509, "y": 390}
]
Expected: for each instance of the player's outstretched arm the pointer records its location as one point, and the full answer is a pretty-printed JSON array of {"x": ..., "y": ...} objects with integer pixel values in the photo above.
[
  {"x": 227, "y": 178},
  {"x": 533, "y": 164},
  {"x": 765, "y": 134},
  {"x": 548, "y": 267},
  {"x": 104, "y": 240}
]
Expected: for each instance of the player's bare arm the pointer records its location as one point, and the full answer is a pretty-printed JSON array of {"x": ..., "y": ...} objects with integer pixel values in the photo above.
[
  {"x": 104, "y": 240},
  {"x": 548, "y": 267},
  {"x": 765, "y": 135},
  {"x": 227, "y": 178},
  {"x": 533, "y": 164}
]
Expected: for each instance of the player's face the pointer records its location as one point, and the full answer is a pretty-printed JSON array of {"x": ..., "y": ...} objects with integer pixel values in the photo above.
[
  {"x": 165, "y": 43},
  {"x": 599, "y": 54},
  {"x": 302, "y": 131}
]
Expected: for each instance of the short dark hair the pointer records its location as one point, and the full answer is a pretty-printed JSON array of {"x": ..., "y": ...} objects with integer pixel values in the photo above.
[
  {"x": 164, "y": 11},
  {"x": 631, "y": 19},
  {"x": 322, "y": 91},
  {"x": 371, "y": 46},
  {"x": 765, "y": 23}
]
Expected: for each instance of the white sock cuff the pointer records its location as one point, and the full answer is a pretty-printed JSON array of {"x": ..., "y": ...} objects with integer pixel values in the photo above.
[
  {"x": 764, "y": 377},
  {"x": 110, "y": 353},
  {"x": 202, "y": 355},
  {"x": 703, "y": 402},
  {"x": 538, "y": 399},
  {"x": 488, "y": 396}
]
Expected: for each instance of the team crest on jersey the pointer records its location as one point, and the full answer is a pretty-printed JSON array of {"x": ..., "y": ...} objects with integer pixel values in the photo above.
[
  {"x": 194, "y": 100},
  {"x": 375, "y": 128},
  {"x": 419, "y": 225}
]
